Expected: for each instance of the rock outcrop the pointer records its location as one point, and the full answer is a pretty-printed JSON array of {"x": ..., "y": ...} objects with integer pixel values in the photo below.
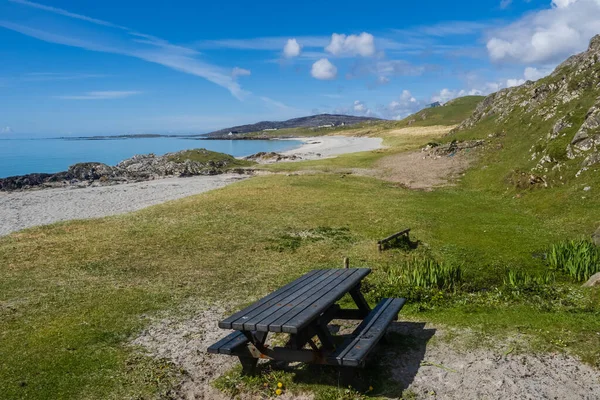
[
  {"x": 567, "y": 102},
  {"x": 596, "y": 237},
  {"x": 593, "y": 281},
  {"x": 271, "y": 157},
  {"x": 134, "y": 169}
]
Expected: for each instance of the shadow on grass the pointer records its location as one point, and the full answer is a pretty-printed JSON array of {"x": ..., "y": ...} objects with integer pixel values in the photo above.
[{"x": 402, "y": 243}]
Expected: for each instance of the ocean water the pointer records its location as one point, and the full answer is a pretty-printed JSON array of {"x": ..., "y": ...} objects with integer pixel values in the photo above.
[{"x": 25, "y": 156}]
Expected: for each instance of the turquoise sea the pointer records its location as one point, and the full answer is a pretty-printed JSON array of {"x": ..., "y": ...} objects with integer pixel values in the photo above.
[{"x": 25, "y": 156}]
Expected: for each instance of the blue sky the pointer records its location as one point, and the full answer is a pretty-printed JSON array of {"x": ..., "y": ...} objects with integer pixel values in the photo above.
[{"x": 79, "y": 67}]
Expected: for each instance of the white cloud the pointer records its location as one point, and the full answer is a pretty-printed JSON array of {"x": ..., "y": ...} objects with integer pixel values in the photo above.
[
  {"x": 445, "y": 95},
  {"x": 237, "y": 71},
  {"x": 351, "y": 45},
  {"x": 562, "y": 3},
  {"x": 548, "y": 35},
  {"x": 291, "y": 48},
  {"x": 6, "y": 130},
  {"x": 505, "y": 3},
  {"x": 123, "y": 41},
  {"x": 101, "y": 95},
  {"x": 514, "y": 82},
  {"x": 323, "y": 69},
  {"x": 533, "y": 74},
  {"x": 405, "y": 105}
]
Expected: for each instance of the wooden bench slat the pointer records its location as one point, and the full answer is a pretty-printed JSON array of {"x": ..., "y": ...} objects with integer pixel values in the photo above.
[
  {"x": 228, "y": 344},
  {"x": 328, "y": 297},
  {"x": 275, "y": 323},
  {"x": 395, "y": 235},
  {"x": 364, "y": 338},
  {"x": 248, "y": 322},
  {"x": 273, "y": 297},
  {"x": 262, "y": 322}
]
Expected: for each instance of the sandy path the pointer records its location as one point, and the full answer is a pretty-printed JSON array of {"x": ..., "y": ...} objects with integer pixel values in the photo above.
[
  {"x": 430, "y": 369},
  {"x": 330, "y": 146},
  {"x": 19, "y": 210}
]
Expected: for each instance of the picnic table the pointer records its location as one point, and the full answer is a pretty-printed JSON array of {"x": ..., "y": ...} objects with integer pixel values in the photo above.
[{"x": 303, "y": 309}]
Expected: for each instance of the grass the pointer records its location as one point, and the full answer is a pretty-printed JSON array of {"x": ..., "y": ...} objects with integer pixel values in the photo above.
[
  {"x": 73, "y": 294},
  {"x": 580, "y": 259},
  {"x": 207, "y": 157}
]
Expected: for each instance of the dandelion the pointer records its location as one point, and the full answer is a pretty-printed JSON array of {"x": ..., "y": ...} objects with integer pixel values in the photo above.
[
  {"x": 279, "y": 385},
  {"x": 278, "y": 392}
]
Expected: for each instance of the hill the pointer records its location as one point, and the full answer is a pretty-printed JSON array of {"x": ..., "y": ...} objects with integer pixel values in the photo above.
[
  {"x": 543, "y": 133},
  {"x": 312, "y": 121},
  {"x": 452, "y": 113}
]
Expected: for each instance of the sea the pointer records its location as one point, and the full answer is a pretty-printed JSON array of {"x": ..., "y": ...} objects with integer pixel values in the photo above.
[{"x": 25, "y": 156}]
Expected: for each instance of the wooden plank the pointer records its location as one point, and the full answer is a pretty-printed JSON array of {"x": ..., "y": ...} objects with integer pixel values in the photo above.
[
  {"x": 263, "y": 321},
  {"x": 273, "y": 297},
  {"x": 356, "y": 353},
  {"x": 395, "y": 235},
  {"x": 228, "y": 344},
  {"x": 309, "y": 312}
]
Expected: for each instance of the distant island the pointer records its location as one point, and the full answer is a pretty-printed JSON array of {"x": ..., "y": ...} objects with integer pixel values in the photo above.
[{"x": 268, "y": 128}]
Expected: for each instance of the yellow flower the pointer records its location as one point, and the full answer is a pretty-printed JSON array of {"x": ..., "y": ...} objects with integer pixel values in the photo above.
[
  {"x": 279, "y": 385},
  {"x": 278, "y": 392},
  {"x": 370, "y": 388}
]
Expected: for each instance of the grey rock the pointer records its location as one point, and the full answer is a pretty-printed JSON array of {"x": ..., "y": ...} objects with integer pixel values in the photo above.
[
  {"x": 136, "y": 168},
  {"x": 593, "y": 281},
  {"x": 596, "y": 237}
]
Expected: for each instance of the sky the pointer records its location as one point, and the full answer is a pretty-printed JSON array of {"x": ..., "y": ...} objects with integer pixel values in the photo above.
[{"x": 113, "y": 67}]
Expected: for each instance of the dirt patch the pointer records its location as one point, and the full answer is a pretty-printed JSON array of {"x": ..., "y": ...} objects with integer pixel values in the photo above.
[
  {"x": 184, "y": 342},
  {"x": 449, "y": 372},
  {"x": 421, "y": 131},
  {"x": 419, "y": 170},
  {"x": 426, "y": 368}
]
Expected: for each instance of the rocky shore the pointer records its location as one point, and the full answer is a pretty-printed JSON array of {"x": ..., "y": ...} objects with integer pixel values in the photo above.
[{"x": 135, "y": 169}]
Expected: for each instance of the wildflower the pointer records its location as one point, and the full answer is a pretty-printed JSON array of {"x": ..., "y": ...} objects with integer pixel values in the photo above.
[
  {"x": 279, "y": 385},
  {"x": 278, "y": 392},
  {"x": 370, "y": 388}
]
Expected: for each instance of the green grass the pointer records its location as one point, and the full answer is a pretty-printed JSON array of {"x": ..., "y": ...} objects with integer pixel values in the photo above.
[
  {"x": 72, "y": 295},
  {"x": 580, "y": 259},
  {"x": 452, "y": 113},
  {"x": 84, "y": 285},
  {"x": 206, "y": 156}
]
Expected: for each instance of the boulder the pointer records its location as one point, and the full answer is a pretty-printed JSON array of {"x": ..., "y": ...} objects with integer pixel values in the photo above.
[
  {"x": 593, "y": 281},
  {"x": 596, "y": 237}
]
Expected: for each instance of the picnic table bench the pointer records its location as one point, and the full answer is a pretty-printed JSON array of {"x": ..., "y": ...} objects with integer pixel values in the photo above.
[{"x": 303, "y": 309}]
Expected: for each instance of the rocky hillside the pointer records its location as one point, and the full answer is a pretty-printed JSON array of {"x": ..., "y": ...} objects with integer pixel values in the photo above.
[
  {"x": 312, "y": 121},
  {"x": 546, "y": 131},
  {"x": 137, "y": 168}
]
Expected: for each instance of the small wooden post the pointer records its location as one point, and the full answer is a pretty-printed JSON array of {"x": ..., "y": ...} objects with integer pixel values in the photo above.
[{"x": 346, "y": 262}]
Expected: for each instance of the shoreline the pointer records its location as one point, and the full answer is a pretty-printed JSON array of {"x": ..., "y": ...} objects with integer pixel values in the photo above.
[{"x": 29, "y": 208}]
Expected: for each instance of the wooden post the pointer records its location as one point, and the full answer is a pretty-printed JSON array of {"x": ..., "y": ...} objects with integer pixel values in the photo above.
[{"x": 346, "y": 262}]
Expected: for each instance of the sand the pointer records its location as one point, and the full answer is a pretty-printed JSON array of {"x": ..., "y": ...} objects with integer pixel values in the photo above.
[
  {"x": 19, "y": 210},
  {"x": 315, "y": 148},
  {"x": 428, "y": 365},
  {"x": 29, "y": 208}
]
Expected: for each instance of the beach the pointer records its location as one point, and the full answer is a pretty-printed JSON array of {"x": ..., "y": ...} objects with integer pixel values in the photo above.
[{"x": 29, "y": 208}]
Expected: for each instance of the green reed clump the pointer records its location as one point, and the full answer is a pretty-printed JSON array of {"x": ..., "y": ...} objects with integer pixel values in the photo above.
[
  {"x": 424, "y": 272},
  {"x": 580, "y": 259},
  {"x": 522, "y": 279}
]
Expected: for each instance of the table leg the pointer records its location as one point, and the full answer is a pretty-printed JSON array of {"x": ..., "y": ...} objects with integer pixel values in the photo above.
[
  {"x": 360, "y": 301},
  {"x": 248, "y": 362}
]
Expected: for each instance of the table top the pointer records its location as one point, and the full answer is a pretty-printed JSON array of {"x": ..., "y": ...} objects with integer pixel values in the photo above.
[{"x": 294, "y": 306}]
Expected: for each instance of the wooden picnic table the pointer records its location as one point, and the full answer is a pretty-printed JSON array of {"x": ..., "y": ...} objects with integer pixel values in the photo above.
[{"x": 303, "y": 309}]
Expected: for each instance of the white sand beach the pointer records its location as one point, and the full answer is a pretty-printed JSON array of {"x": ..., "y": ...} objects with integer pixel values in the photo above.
[
  {"x": 25, "y": 209},
  {"x": 330, "y": 146}
]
